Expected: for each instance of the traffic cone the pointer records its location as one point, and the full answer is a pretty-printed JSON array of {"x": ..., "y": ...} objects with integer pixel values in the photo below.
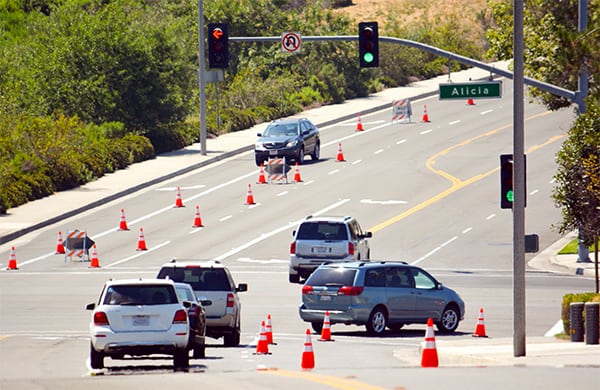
[
  {"x": 197, "y": 219},
  {"x": 425, "y": 116},
  {"x": 429, "y": 357},
  {"x": 269, "y": 330},
  {"x": 340, "y": 154},
  {"x": 359, "y": 126},
  {"x": 470, "y": 102},
  {"x": 123, "y": 221},
  {"x": 261, "y": 175},
  {"x": 60, "y": 247},
  {"x": 262, "y": 347},
  {"x": 326, "y": 331},
  {"x": 249, "y": 196},
  {"x": 141, "y": 241},
  {"x": 308, "y": 356},
  {"x": 480, "y": 328},
  {"x": 297, "y": 177},
  {"x": 94, "y": 262},
  {"x": 178, "y": 201},
  {"x": 12, "y": 260}
]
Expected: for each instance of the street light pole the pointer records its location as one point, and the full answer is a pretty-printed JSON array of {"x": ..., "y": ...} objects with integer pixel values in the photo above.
[{"x": 202, "y": 77}]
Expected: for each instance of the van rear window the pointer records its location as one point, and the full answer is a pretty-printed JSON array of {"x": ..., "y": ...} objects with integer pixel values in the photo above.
[{"x": 332, "y": 276}]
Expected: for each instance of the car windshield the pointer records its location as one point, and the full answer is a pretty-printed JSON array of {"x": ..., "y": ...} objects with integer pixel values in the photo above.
[
  {"x": 334, "y": 276},
  {"x": 322, "y": 231},
  {"x": 281, "y": 129},
  {"x": 139, "y": 295}
]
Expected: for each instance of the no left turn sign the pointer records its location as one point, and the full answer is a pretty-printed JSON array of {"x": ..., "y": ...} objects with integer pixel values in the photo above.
[{"x": 291, "y": 42}]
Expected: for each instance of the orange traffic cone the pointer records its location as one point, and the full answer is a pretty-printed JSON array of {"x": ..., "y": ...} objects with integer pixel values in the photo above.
[
  {"x": 326, "y": 331},
  {"x": 425, "y": 116},
  {"x": 470, "y": 102},
  {"x": 480, "y": 328},
  {"x": 297, "y": 177},
  {"x": 429, "y": 357},
  {"x": 340, "y": 154},
  {"x": 123, "y": 221},
  {"x": 60, "y": 247},
  {"x": 141, "y": 241},
  {"x": 308, "y": 356},
  {"x": 359, "y": 126},
  {"x": 262, "y": 347},
  {"x": 197, "y": 219},
  {"x": 94, "y": 262},
  {"x": 249, "y": 196},
  {"x": 12, "y": 260},
  {"x": 178, "y": 201},
  {"x": 261, "y": 175},
  {"x": 269, "y": 330}
]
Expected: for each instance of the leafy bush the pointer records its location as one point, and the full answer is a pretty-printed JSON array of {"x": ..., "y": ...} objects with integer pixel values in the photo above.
[{"x": 566, "y": 306}]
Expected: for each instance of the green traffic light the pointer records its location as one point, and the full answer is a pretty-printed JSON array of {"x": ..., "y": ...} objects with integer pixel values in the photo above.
[
  {"x": 510, "y": 196},
  {"x": 368, "y": 57}
]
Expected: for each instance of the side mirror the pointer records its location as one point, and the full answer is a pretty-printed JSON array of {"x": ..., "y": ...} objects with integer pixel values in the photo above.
[
  {"x": 187, "y": 304},
  {"x": 90, "y": 306},
  {"x": 293, "y": 233},
  {"x": 259, "y": 134},
  {"x": 368, "y": 235},
  {"x": 242, "y": 287}
]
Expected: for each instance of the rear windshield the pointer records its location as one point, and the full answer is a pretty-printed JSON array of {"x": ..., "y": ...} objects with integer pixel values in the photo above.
[
  {"x": 335, "y": 276},
  {"x": 322, "y": 231},
  {"x": 201, "y": 279},
  {"x": 140, "y": 295}
]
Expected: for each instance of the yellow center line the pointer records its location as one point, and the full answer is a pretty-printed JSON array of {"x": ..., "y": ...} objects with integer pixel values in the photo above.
[
  {"x": 332, "y": 381},
  {"x": 457, "y": 183}
]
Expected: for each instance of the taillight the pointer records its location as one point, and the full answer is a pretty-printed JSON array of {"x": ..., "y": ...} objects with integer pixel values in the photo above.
[
  {"x": 293, "y": 248},
  {"x": 100, "y": 318},
  {"x": 350, "y": 290},
  {"x": 350, "y": 248},
  {"x": 230, "y": 300},
  {"x": 180, "y": 317},
  {"x": 307, "y": 289}
]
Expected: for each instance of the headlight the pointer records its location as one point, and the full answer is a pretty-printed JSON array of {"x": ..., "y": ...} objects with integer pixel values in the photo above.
[
  {"x": 292, "y": 143},
  {"x": 259, "y": 146}
]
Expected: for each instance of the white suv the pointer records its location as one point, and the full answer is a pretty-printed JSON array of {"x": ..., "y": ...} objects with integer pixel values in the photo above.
[
  {"x": 326, "y": 239},
  {"x": 212, "y": 281},
  {"x": 138, "y": 317}
]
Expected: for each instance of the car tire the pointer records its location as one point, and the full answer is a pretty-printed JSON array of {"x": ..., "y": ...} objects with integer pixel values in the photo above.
[
  {"x": 377, "y": 322},
  {"x": 199, "y": 352},
  {"x": 259, "y": 161},
  {"x": 449, "y": 319},
  {"x": 317, "y": 326},
  {"x": 316, "y": 154},
  {"x": 300, "y": 157},
  {"x": 294, "y": 278},
  {"x": 181, "y": 359},
  {"x": 96, "y": 358},
  {"x": 232, "y": 339}
]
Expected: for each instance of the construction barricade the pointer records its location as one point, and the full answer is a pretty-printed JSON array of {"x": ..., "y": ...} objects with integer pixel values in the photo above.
[
  {"x": 401, "y": 111},
  {"x": 277, "y": 169},
  {"x": 78, "y": 244}
]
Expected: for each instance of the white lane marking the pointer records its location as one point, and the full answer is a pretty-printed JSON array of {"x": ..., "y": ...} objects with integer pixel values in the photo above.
[
  {"x": 490, "y": 217},
  {"x": 280, "y": 229},
  {"x": 225, "y": 218},
  {"x": 533, "y": 192},
  {"x": 151, "y": 249},
  {"x": 282, "y": 193},
  {"x": 196, "y": 230},
  {"x": 384, "y": 202},
  {"x": 356, "y": 162},
  {"x": 556, "y": 329},
  {"x": 453, "y": 122},
  {"x": 378, "y": 151},
  {"x": 270, "y": 261},
  {"x": 552, "y": 181},
  {"x": 401, "y": 141},
  {"x": 308, "y": 182},
  {"x": 467, "y": 230},
  {"x": 333, "y": 172},
  {"x": 486, "y": 112},
  {"x": 434, "y": 250},
  {"x": 181, "y": 188},
  {"x": 426, "y": 131}
]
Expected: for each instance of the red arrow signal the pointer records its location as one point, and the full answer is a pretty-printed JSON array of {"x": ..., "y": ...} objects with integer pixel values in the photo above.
[{"x": 217, "y": 33}]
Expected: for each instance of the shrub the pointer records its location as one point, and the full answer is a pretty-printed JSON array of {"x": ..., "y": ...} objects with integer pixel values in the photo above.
[{"x": 566, "y": 306}]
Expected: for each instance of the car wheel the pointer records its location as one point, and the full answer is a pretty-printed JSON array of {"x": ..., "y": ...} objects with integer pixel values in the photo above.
[
  {"x": 232, "y": 339},
  {"x": 96, "y": 358},
  {"x": 317, "y": 326},
  {"x": 377, "y": 322},
  {"x": 199, "y": 352},
  {"x": 294, "y": 278},
  {"x": 258, "y": 161},
  {"x": 181, "y": 359},
  {"x": 316, "y": 154},
  {"x": 449, "y": 320},
  {"x": 300, "y": 158}
]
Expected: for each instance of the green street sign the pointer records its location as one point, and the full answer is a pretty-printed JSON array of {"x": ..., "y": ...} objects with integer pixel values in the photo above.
[{"x": 471, "y": 90}]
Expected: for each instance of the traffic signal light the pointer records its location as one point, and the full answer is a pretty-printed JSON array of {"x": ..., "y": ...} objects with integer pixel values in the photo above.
[
  {"x": 368, "y": 44},
  {"x": 506, "y": 181},
  {"x": 218, "y": 49},
  {"x": 507, "y": 194}
]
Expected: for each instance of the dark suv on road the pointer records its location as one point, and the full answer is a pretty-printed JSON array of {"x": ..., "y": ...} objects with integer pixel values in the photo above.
[{"x": 291, "y": 138}]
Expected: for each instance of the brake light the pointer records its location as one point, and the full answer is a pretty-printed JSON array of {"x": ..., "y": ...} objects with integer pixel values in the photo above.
[
  {"x": 350, "y": 290},
  {"x": 180, "y": 317},
  {"x": 100, "y": 318},
  {"x": 350, "y": 248},
  {"x": 230, "y": 300},
  {"x": 307, "y": 289},
  {"x": 293, "y": 248}
]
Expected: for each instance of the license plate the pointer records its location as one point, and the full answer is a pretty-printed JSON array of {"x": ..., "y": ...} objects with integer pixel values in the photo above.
[
  {"x": 319, "y": 249},
  {"x": 325, "y": 298},
  {"x": 272, "y": 153},
  {"x": 141, "y": 320}
]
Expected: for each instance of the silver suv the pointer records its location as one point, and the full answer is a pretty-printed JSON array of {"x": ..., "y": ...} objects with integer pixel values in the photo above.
[
  {"x": 378, "y": 295},
  {"x": 212, "y": 281},
  {"x": 326, "y": 239}
]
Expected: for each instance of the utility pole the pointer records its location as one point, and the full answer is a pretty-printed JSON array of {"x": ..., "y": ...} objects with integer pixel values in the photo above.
[{"x": 202, "y": 77}]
